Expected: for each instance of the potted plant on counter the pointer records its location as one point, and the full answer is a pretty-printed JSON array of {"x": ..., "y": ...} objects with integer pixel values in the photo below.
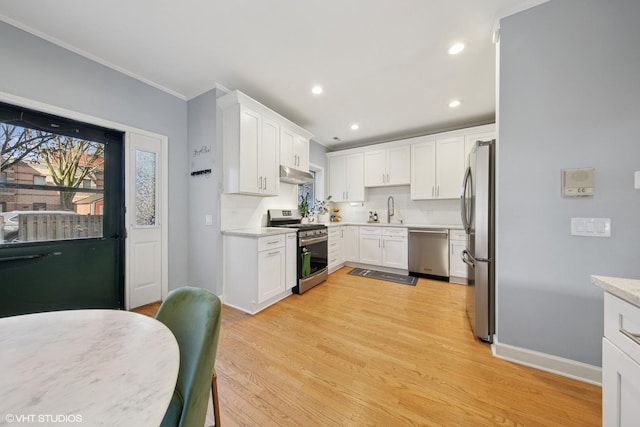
[
  {"x": 322, "y": 209},
  {"x": 304, "y": 209}
]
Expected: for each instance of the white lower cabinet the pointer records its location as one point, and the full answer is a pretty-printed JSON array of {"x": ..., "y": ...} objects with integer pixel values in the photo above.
[
  {"x": 384, "y": 246},
  {"x": 620, "y": 363},
  {"x": 255, "y": 271},
  {"x": 458, "y": 270},
  {"x": 351, "y": 243},
  {"x": 291, "y": 246},
  {"x": 271, "y": 273},
  {"x": 334, "y": 249},
  {"x": 395, "y": 248},
  {"x": 371, "y": 245}
]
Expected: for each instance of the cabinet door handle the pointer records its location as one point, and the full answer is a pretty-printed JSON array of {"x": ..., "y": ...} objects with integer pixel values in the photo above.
[
  {"x": 273, "y": 242},
  {"x": 383, "y": 179},
  {"x": 433, "y": 191},
  {"x": 388, "y": 180},
  {"x": 273, "y": 253}
]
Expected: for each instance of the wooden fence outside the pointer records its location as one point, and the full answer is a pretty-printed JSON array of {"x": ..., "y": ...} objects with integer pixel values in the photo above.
[{"x": 36, "y": 227}]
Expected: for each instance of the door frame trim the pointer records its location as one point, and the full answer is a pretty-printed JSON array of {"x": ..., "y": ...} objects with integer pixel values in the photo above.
[{"x": 164, "y": 204}]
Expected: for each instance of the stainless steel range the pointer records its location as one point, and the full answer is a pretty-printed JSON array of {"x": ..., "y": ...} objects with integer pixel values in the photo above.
[{"x": 312, "y": 256}]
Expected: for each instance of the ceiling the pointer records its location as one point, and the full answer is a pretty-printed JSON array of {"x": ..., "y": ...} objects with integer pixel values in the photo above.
[{"x": 382, "y": 64}]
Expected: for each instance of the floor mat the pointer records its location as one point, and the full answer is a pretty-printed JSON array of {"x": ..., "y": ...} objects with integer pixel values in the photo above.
[{"x": 381, "y": 275}]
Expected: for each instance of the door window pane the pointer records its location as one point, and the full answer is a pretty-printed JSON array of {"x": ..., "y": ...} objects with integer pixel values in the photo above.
[
  {"x": 66, "y": 209},
  {"x": 146, "y": 171}
]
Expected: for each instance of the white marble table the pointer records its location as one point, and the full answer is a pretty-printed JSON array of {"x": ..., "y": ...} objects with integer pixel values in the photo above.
[{"x": 86, "y": 367}]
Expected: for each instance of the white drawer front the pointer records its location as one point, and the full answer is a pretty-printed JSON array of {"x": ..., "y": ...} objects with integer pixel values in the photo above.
[
  {"x": 375, "y": 231},
  {"x": 396, "y": 231},
  {"x": 334, "y": 231},
  {"x": 621, "y": 320},
  {"x": 271, "y": 242}
]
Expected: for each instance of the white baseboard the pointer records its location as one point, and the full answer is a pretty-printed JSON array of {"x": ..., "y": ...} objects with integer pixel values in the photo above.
[{"x": 548, "y": 362}]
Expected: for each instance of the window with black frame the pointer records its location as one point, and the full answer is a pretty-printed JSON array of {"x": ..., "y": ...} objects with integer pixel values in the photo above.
[{"x": 52, "y": 185}]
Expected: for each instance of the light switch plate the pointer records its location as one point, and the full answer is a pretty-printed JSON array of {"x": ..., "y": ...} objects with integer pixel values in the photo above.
[
  {"x": 637, "y": 180},
  {"x": 208, "y": 220},
  {"x": 591, "y": 227}
]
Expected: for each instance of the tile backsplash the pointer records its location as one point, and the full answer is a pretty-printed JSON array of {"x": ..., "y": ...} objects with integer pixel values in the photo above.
[{"x": 423, "y": 212}]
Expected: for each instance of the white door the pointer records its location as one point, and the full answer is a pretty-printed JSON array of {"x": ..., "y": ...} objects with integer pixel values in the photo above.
[
  {"x": 337, "y": 179},
  {"x": 250, "y": 140},
  {"x": 449, "y": 167},
  {"x": 399, "y": 165},
  {"x": 146, "y": 273},
  {"x": 370, "y": 249},
  {"x": 354, "y": 173},
  {"x": 271, "y": 273},
  {"x": 269, "y": 161},
  {"x": 375, "y": 170},
  {"x": 423, "y": 170},
  {"x": 394, "y": 252}
]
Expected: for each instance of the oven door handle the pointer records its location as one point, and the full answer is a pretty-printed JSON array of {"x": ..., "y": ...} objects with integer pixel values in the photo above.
[{"x": 305, "y": 242}]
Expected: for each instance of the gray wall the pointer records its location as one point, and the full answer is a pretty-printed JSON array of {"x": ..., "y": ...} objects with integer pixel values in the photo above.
[
  {"x": 205, "y": 241},
  {"x": 318, "y": 154},
  {"x": 569, "y": 91},
  {"x": 38, "y": 70}
]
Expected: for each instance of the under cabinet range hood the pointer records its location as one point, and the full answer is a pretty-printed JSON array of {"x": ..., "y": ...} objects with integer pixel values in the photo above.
[{"x": 294, "y": 176}]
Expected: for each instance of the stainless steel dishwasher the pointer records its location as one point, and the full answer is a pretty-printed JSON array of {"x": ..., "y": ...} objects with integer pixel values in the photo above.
[{"x": 429, "y": 253}]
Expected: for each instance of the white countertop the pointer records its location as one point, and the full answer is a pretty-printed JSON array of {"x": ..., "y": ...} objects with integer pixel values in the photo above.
[
  {"x": 272, "y": 231},
  {"x": 395, "y": 224},
  {"x": 627, "y": 289},
  {"x": 258, "y": 231}
]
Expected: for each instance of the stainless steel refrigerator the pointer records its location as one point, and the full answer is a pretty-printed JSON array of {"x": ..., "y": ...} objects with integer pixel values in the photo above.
[{"x": 477, "y": 205}]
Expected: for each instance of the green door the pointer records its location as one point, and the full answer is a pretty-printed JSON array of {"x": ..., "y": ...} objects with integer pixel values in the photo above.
[{"x": 61, "y": 214}]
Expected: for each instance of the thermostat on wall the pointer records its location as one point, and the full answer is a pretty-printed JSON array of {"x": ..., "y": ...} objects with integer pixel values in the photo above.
[{"x": 578, "y": 182}]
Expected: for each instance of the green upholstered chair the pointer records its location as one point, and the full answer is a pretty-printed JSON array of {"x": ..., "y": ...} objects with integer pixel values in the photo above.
[{"x": 194, "y": 316}]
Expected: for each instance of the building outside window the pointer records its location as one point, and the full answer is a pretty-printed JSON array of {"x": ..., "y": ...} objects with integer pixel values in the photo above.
[{"x": 39, "y": 180}]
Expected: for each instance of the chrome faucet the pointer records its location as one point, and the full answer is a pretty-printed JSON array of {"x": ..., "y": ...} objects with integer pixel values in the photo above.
[{"x": 391, "y": 210}]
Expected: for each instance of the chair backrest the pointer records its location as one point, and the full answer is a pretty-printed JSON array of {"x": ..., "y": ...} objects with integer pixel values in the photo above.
[{"x": 194, "y": 316}]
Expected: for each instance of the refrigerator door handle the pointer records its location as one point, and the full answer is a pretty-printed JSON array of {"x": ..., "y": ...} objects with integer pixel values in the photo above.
[
  {"x": 468, "y": 258},
  {"x": 463, "y": 201}
]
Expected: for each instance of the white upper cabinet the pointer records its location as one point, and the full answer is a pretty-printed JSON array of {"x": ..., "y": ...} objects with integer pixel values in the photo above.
[
  {"x": 423, "y": 169},
  {"x": 250, "y": 147},
  {"x": 437, "y": 168},
  {"x": 388, "y": 166},
  {"x": 449, "y": 167},
  {"x": 438, "y": 161},
  {"x": 252, "y": 139},
  {"x": 346, "y": 178},
  {"x": 294, "y": 149}
]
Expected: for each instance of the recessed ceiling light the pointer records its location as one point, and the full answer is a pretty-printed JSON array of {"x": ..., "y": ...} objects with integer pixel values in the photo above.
[
  {"x": 456, "y": 48},
  {"x": 455, "y": 103},
  {"x": 316, "y": 90},
  {"x": 355, "y": 126}
]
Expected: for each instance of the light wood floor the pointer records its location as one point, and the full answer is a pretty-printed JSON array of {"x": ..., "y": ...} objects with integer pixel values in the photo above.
[{"x": 356, "y": 351}]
